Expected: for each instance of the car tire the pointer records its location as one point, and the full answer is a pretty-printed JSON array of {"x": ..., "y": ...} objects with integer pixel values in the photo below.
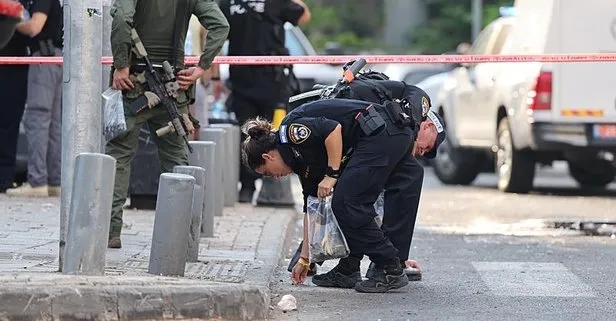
[
  {"x": 594, "y": 175},
  {"x": 455, "y": 166},
  {"x": 515, "y": 169}
]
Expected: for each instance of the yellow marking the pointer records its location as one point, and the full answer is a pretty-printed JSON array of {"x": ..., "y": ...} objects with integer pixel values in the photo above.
[{"x": 582, "y": 112}]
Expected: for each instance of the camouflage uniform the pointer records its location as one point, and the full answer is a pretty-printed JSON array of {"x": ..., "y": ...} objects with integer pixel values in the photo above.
[{"x": 154, "y": 22}]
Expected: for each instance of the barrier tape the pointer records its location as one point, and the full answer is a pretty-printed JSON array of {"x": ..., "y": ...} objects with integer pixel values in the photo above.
[{"x": 375, "y": 59}]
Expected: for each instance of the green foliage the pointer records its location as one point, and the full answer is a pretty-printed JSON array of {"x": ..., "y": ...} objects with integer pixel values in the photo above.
[
  {"x": 357, "y": 25},
  {"x": 344, "y": 22},
  {"x": 449, "y": 23}
]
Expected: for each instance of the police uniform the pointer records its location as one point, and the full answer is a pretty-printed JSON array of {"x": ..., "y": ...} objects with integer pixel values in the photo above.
[
  {"x": 154, "y": 21},
  {"x": 13, "y": 90},
  {"x": 401, "y": 211},
  {"x": 257, "y": 29},
  {"x": 379, "y": 160}
]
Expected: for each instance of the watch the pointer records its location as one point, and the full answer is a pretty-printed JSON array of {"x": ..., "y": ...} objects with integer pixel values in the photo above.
[{"x": 333, "y": 173}]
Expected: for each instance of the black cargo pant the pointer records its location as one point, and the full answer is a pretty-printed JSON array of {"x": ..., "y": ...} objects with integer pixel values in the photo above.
[
  {"x": 381, "y": 161},
  {"x": 13, "y": 93}
]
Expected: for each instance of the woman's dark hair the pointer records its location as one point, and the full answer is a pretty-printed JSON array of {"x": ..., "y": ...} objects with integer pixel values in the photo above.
[{"x": 261, "y": 139}]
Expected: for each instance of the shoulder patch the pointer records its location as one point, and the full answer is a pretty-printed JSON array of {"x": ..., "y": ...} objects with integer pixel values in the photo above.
[
  {"x": 425, "y": 105},
  {"x": 299, "y": 133},
  {"x": 282, "y": 133}
]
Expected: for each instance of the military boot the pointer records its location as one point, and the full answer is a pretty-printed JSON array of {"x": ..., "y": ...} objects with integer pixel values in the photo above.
[{"x": 384, "y": 278}]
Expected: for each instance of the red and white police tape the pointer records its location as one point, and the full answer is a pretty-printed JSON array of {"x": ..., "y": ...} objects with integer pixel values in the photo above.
[{"x": 370, "y": 59}]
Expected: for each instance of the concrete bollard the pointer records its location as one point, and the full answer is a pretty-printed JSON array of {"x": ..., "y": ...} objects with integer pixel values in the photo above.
[
  {"x": 89, "y": 214},
  {"x": 204, "y": 156},
  {"x": 194, "y": 235},
  {"x": 276, "y": 193},
  {"x": 232, "y": 163},
  {"x": 171, "y": 224},
  {"x": 226, "y": 164},
  {"x": 216, "y": 135}
]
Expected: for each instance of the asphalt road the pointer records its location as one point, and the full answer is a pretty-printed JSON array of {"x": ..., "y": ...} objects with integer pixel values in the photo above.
[{"x": 488, "y": 256}]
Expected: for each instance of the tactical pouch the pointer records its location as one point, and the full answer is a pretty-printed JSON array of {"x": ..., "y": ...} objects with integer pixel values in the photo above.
[
  {"x": 397, "y": 115},
  {"x": 370, "y": 121}
]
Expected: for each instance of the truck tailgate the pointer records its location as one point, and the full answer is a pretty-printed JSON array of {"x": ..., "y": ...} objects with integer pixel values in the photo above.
[{"x": 585, "y": 92}]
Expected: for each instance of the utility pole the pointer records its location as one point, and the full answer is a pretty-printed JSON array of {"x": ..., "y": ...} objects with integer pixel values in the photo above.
[
  {"x": 81, "y": 92},
  {"x": 477, "y": 16}
]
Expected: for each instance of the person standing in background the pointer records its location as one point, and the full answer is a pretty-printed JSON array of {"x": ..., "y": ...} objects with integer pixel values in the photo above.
[
  {"x": 13, "y": 92},
  {"x": 257, "y": 29},
  {"x": 43, "y": 115}
]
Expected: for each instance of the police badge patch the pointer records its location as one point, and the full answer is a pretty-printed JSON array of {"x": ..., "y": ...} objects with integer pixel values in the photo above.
[{"x": 298, "y": 133}]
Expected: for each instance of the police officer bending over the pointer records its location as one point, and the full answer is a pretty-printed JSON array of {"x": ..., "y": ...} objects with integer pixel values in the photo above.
[
  {"x": 161, "y": 25},
  {"x": 398, "y": 222},
  {"x": 375, "y": 141}
]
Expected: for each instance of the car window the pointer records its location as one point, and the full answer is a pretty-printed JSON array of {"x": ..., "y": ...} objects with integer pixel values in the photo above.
[
  {"x": 500, "y": 41},
  {"x": 293, "y": 44},
  {"x": 480, "y": 46}
]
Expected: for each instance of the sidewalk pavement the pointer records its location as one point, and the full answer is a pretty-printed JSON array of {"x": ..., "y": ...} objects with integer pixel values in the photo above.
[{"x": 231, "y": 281}]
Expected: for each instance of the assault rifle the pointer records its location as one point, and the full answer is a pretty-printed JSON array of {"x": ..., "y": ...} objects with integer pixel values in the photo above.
[
  {"x": 350, "y": 72},
  {"x": 165, "y": 89}
]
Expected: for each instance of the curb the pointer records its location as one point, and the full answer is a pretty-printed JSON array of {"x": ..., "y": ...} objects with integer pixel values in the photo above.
[
  {"x": 54, "y": 296},
  {"x": 126, "y": 300}
]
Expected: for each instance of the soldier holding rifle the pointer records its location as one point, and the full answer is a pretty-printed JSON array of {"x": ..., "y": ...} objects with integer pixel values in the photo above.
[{"x": 147, "y": 40}]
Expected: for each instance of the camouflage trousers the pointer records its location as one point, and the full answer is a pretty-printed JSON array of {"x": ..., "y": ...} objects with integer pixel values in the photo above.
[{"x": 172, "y": 151}]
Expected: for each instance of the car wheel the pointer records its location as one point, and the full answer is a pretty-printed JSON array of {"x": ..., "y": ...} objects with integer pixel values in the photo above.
[
  {"x": 454, "y": 166},
  {"x": 595, "y": 175},
  {"x": 515, "y": 169}
]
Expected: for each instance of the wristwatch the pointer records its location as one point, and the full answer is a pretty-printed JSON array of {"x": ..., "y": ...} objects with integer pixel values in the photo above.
[{"x": 333, "y": 173}]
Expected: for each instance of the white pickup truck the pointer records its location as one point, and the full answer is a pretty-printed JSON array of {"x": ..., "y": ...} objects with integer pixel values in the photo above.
[{"x": 509, "y": 117}]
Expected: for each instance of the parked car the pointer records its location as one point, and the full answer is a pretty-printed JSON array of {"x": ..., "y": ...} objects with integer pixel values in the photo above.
[{"x": 509, "y": 117}]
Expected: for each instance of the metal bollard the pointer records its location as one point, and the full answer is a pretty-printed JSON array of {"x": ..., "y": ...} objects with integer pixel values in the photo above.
[
  {"x": 171, "y": 224},
  {"x": 232, "y": 163},
  {"x": 204, "y": 156},
  {"x": 89, "y": 214},
  {"x": 194, "y": 235},
  {"x": 216, "y": 135}
]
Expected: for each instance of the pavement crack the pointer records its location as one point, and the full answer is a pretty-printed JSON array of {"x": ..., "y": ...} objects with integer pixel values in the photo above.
[
  {"x": 38, "y": 245},
  {"x": 28, "y": 304}
]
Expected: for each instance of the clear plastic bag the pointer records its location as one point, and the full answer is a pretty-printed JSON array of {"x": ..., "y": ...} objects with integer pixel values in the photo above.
[
  {"x": 115, "y": 123},
  {"x": 378, "y": 207},
  {"x": 326, "y": 239}
]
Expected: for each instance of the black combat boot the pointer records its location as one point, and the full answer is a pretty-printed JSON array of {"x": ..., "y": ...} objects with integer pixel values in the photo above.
[
  {"x": 383, "y": 278},
  {"x": 344, "y": 275},
  {"x": 412, "y": 274}
]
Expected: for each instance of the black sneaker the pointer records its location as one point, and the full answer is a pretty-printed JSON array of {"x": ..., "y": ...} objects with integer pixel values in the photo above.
[
  {"x": 412, "y": 274},
  {"x": 382, "y": 280},
  {"x": 336, "y": 279}
]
